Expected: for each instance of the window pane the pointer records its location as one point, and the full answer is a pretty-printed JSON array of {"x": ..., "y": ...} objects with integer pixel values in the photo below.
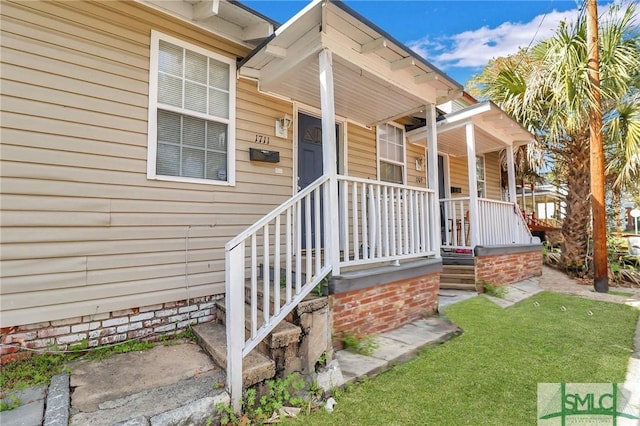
[
  {"x": 168, "y": 127},
  {"x": 216, "y": 165},
  {"x": 216, "y": 136},
  {"x": 193, "y": 162},
  {"x": 390, "y": 172},
  {"x": 196, "y": 68},
  {"x": 218, "y": 103},
  {"x": 168, "y": 160},
  {"x": 193, "y": 133},
  {"x": 169, "y": 90},
  {"x": 170, "y": 58},
  {"x": 218, "y": 74},
  {"x": 480, "y": 167},
  {"x": 195, "y": 98}
]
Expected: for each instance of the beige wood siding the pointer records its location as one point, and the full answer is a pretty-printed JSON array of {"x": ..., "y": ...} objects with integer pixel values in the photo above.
[
  {"x": 361, "y": 148},
  {"x": 459, "y": 175},
  {"x": 83, "y": 229}
]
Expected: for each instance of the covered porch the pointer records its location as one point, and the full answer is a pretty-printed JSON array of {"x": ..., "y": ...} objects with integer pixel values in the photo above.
[{"x": 476, "y": 209}]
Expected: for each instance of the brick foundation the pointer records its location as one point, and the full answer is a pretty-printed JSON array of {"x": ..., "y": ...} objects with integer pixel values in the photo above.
[
  {"x": 143, "y": 323},
  {"x": 384, "y": 307},
  {"x": 508, "y": 268}
]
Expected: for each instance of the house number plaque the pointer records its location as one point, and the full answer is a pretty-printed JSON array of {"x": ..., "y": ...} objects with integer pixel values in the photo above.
[{"x": 262, "y": 139}]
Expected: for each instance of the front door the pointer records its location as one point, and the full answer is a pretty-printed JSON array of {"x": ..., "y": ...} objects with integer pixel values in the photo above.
[{"x": 310, "y": 164}]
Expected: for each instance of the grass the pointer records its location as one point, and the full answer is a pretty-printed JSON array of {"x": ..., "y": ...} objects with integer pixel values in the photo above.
[{"x": 489, "y": 375}]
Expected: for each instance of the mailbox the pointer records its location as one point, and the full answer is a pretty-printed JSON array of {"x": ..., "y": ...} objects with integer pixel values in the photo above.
[{"x": 264, "y": 155}]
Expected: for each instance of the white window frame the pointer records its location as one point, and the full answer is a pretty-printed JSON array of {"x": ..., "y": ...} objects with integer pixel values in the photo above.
[
  {"x": 380, "y": 159},
  {"x": 152, "y": 129},
  {"x": 481, "y": 179}
]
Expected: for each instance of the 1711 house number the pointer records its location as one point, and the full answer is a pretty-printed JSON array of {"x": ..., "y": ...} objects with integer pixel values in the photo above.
[{"x": 262, "y": 139}]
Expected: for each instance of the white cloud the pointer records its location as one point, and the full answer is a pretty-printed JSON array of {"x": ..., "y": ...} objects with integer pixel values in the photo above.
[{"x": 474, "y": 48}]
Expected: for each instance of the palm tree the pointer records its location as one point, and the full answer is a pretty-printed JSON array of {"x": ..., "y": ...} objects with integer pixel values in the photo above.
[{"x": 548, "y": 90}]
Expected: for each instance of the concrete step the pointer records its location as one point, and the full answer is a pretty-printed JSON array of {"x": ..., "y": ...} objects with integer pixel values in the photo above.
[
  {"x": 256, "y": 367},
  {"x": 457, "y": 278},
  {"x": 459, "y": 269},
  {"x": 282, "y": 335},
  {"x": 458, "y": 286}
]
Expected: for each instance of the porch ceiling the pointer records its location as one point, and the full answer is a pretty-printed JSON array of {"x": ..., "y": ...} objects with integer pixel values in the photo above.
[
  {"x": 376, "y": 79},
  {"x": 493, "y": 130}
]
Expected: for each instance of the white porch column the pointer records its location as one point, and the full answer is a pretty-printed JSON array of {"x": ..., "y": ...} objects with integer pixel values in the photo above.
[
  {"x": 511, "y": 173},
  {"x": 329, "y": 156},
  {"x": 474, "y": 220},
  {"x": 431, "y": 147}
]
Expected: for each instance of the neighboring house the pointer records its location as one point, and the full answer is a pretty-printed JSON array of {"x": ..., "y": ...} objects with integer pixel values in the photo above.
[{"x": 144, "y": 142}]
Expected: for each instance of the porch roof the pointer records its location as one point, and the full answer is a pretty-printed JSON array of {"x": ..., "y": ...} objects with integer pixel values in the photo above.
[
  {"x": 376, "y": 78},
  {"x": 493, "y": 129}
]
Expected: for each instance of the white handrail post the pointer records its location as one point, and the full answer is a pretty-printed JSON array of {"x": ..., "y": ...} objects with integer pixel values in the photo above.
[
  {"x": 474, "y": 220},
  {"x": 432, "y": 180},
  {"x": 329, "y": 155},
  {"x": 234, "y": 272},
  {"x": 511, "y": 173}
]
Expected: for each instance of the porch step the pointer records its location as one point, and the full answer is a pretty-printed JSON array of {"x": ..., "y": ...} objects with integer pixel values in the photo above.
[
  {"x": 256, "y": 367},
  {"x": 458, "y": 277},
  {"x": 282, "y": 335}
]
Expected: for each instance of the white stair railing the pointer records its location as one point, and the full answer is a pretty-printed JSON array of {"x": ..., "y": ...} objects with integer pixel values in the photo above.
[
  {"x": 501, "y": 222},
  {"x": 272, "y": 255},
  {"x": 383, "y": 221}
]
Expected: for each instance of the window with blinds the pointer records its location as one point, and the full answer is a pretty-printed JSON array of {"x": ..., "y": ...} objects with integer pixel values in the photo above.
[
  {"x": 481, "y": 177},
  {"x": 191, "y": 112},
  {"x": 391, "y": 153}
]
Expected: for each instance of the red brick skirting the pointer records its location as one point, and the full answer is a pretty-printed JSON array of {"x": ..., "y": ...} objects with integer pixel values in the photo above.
[
  {"x": 144, "y": 323},
  {"x": 384, "y": 307},
  {"x": 503, "y": 269}
]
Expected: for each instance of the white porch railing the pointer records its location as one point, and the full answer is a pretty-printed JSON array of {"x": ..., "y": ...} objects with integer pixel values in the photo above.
[
  {"x": 275, "y": 241},
  {"x": 286, "y": 252},
  {"x": 500, "y": 222},
  {"x": 382, "y": 221}
]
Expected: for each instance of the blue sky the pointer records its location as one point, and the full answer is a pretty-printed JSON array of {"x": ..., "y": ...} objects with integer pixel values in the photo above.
[{"x": 459, "y": 37}]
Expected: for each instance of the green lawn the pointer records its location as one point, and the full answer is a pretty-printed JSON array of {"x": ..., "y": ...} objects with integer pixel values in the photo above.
[{"x": 489, "y": 375}]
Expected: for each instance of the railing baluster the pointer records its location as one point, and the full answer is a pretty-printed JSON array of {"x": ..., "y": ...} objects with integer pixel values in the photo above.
[
  {"x": 356, "y": 228},
  {"x": 266, "y": 276},
  {"x": 318, "y": 221},
  {"x": 298, "y": 246},
  {"x": 344, "y": 206},
  {"x": 308, "y": 241},
  {"x": 379, "y": 220},
  {"x": 254, "y": 285},
  {"x": 288, "y": 266},
  {"x": 412, "y": 220},
  {"x": 276, "y": 266},
  {"x": 365, "y": 222},
  {"x": 392, "y": 225},
  {"x": 385, "y": 220}
]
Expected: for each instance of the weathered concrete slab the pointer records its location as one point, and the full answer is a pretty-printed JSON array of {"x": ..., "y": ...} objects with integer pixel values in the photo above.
[
  {"x": 423, "y": 332},
  {"x": 393, "y": 351},
  {"x": 517, "y": 292},
  {"x": 355, "y": 365},
  {"x": 449, "y": 297},
  {"x": 121, "y": 375},
  {"x": 195, "y": 413},
  {"x": 25, "y": 415},
  {"x": 151, "y": 402},
  {"x": 58, "y": 402}
]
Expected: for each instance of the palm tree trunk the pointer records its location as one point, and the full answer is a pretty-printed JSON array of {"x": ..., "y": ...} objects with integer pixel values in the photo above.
[{"x": 575, "y": 227}]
